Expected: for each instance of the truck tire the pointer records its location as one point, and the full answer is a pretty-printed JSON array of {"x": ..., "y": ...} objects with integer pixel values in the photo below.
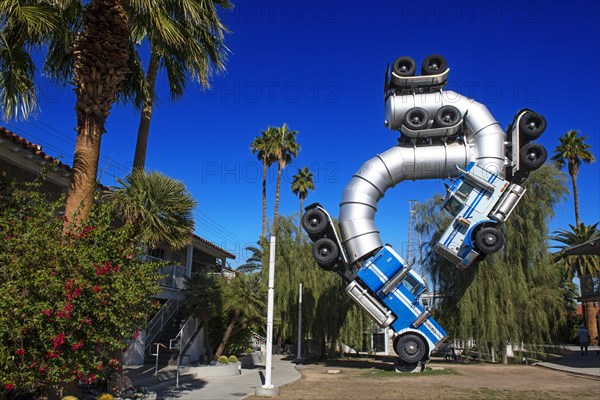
[
  {"x": 314, "y": 221},
  {"x": 410, "y": 348},
  {"x": 447, "y": 116},
  {"x": 532, "y": 125},
  {"x": 532, "y": 156},
  {"x": 434, "y": 64},
  {"x": 404, "y": 66},
  {"x": 325, "y": 252},
  {"x": 416, "y": 119},
  {"x": 489, "y": 240}
]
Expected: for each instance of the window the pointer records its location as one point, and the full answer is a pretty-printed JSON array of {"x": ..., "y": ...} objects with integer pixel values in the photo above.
[
  {"x": 453, "y": 206},
  {"x": 412, "y": 285},
  {"x": 157, "y": 253}
]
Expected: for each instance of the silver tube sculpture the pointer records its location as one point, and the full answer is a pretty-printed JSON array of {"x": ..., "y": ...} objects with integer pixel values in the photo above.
[{"x": 483, "y": 142}]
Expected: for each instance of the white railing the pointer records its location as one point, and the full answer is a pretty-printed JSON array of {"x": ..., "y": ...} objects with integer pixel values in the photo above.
[
  {"x": 259, "y": 342},
  {"x": 173, "y": 276},
  {"x": 183, "y": 338},
  {"x": 161, "y": 318}
]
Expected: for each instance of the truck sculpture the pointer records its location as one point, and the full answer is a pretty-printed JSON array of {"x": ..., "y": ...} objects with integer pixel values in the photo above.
[{"x": 442, "y": 135}]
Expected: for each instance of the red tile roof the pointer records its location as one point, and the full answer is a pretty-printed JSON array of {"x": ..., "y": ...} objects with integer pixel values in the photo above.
[
  {"x": 33, "y": 148},
  {"x": 215, "y": 247},
  {"x": 36, "y": 149}
]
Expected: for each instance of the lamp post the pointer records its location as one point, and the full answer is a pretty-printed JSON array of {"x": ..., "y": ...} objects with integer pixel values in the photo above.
[
  {"x": 299, "y": 355},
  {"x": 268, "y": 389}
]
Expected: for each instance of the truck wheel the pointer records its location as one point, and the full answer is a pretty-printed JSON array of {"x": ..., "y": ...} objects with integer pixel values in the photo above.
[
  {"x": 434, "y": 65},
  {"x": 404, "y": 66},
  {"x": 416, "y": 119},
  {"x": 532, "y": 125},
  {"x": 489, "y": 240},
  {"x": 314, "y": 221},
  {"x": 325, "y": 252},
  {"x": 410, "y": 348},
  {"x": 447, "y": 116},
  {"x": 533, "y": 156}
]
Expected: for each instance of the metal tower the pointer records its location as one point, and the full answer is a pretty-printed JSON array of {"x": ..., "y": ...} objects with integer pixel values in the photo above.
[{"x": 413, "y": 250}]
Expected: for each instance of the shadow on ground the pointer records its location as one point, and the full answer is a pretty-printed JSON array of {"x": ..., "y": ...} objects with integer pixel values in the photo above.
[{"x": 172, "y": 392}]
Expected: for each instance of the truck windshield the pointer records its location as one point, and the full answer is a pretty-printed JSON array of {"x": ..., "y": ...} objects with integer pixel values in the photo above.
[
  {"x": 412, "y": 285},
  {"x": 453, "y": 206}
]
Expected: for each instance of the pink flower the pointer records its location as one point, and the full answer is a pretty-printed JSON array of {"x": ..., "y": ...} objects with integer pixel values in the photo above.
[
  {"x": 96, "y": 288},
  {"x": 59, "y": 340},
  {"x": 21, "y": 352},
  {"x": 50, "y": 355},
  {"x": 9, "y": 386},
  {"x": 47, "y": 312},
  {"x": 77, "y": 345}
]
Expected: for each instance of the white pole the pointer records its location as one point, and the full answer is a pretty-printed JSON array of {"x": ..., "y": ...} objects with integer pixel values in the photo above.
[
  {"x": 299, "y": 355},
  {"x": 270, "y": 301}
]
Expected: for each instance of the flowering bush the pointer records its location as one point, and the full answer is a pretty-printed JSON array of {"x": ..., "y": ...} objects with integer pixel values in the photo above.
[{"x": 68, "y": 303}]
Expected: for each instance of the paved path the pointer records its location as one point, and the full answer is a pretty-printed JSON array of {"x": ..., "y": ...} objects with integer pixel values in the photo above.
[
  {"x": 230, "y": 387},
  {"x": 576, "y": 363}
]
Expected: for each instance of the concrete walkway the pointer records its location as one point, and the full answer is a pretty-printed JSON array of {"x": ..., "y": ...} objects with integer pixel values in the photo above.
[
  {"x": 227, "y": 387},
  {"x": 576, "y": 363}
]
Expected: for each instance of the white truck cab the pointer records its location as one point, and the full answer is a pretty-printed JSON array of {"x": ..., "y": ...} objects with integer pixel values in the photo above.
[{"x": 479, "y": 200}]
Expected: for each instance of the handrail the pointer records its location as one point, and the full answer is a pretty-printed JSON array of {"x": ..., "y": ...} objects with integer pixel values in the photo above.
[
  {"x": 185, "y": 334},
  {"x": 184, "y": 337},
  {"x": 161, "y": 318}
]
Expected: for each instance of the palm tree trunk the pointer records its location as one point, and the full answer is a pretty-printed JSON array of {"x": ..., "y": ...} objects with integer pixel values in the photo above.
[
  {"x": 590, "y": 321},
  {"x": 227, "y": 334},
  {"x": 139, "y": 160},
  {"x": 300, "y": 217},
  {"x": 264, "y": 199},
  {"x": 575, "y": 197},
  {"x": 85, "y": 168},
  {"x": 206, "y": 343},
  {"x": 100, "y": 66},
  {"x": 277, "y": 196}
]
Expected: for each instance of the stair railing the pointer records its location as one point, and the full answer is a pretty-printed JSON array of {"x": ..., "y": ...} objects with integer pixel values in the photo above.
[
  {"x": 183, "y": 339},
  {"x": 157, "y": 323}
]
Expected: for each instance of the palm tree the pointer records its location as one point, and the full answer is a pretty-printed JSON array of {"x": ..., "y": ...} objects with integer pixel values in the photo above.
[
  {"x": 195, "y": 52},
  {"x": 284, "y": 150},
  {"x": 301, "y": 184},
  {"x": 579, "y": 265},
  {"x": 244, "y": 304},
  {"x": 254, "y": 262},
  {"x": 159, "y": 208},
  {"x": 572, "y": 150},
  {"x": 262, "y": 146},
  {"x": 203, "y": 298},
  {"x": 89, "y": 44}
]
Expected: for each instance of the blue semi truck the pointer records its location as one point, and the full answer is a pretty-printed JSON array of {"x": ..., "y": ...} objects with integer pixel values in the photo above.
[{"x": 384, "y": 286}]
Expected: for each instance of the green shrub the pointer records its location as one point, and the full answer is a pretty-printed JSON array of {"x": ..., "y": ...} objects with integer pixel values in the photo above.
[
  {"x": 233, "y": 359},
  {"x": 223, "y": 360},
  {"x": 69, "y": 302}
]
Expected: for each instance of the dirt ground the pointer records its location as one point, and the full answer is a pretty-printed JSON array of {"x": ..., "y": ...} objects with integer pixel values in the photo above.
[{"x": 374, "y": 379}]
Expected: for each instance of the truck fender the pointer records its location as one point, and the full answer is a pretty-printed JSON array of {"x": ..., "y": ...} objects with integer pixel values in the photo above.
[{"x": 469, "y": 235}]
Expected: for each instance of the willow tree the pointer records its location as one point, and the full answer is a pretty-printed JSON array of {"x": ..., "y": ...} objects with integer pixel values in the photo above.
[
  {"x": 326, "y": 309},
  {"x": 513, "y": 295}
]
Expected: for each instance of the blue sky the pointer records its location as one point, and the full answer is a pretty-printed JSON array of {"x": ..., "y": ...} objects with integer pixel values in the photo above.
[{"x": 318, "y": 66}]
